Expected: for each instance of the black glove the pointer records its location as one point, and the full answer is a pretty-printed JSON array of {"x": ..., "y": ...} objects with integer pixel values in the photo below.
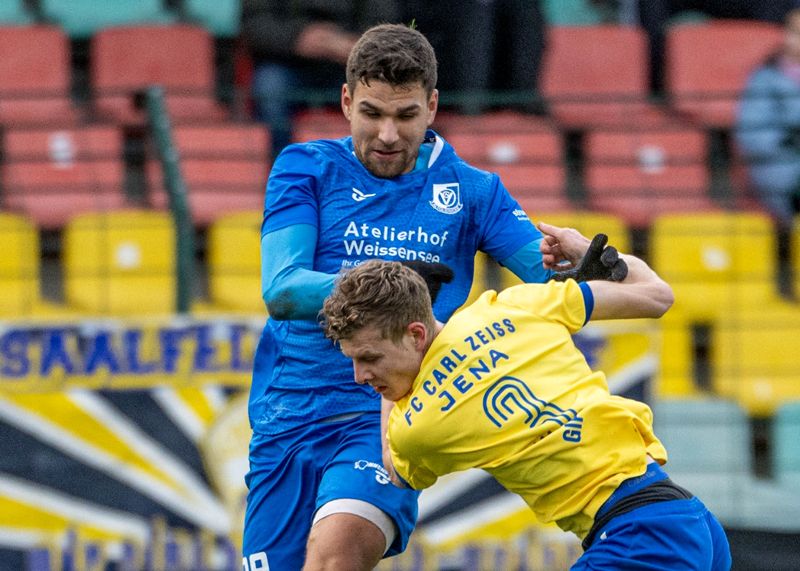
[
  {"x": 598, "y": 263},
  {"x": 434, "y": 274}
]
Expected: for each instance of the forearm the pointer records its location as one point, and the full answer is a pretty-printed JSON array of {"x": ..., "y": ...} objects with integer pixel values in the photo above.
[
  {"x": 642, "y": 294},
  {"x": 291, "y": 288}
]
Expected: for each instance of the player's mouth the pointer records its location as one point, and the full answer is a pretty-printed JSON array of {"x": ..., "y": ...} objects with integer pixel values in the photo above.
[{"x": 385, "y": 155}]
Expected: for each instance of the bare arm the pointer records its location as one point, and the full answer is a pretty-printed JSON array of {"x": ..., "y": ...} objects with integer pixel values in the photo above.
[{"x": 641, "y": 294}]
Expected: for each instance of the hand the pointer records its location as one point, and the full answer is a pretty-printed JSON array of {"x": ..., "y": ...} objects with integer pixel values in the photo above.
[
  {"x": 326, "y": 41},
  {"x": 434, "y": 274},
  {"x": 600, "y": 262}
]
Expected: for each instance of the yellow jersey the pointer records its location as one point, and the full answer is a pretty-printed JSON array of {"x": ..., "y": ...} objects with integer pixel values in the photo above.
[{"x": 504, "y": 388}]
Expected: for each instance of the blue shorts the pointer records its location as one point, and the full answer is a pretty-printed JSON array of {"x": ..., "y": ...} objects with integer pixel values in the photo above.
[
  {"x": 672, "y": 535},
  {"x": 295, "y": 473}
]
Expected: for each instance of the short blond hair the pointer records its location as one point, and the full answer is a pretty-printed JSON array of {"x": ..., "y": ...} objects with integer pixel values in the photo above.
[{"x": 377, "y": 293}]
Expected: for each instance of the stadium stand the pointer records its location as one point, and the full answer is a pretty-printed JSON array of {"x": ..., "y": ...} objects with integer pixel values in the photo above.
[
  {"x": 224, "y": 167},
  {"x": 786, "y": 428},
  {"x": 51, "y": 175},
  {"x": 120, "y": 263},
  {"x": 795, "y": 256},
  {"x": 572, "y": 13},
  {"x": 707, "y": 65},
  {"x": 718, "y": 264},
  {"x": 708, "y": 442},
  {"x": 35, "y": 76},
  {"x": 234, "y": 262},
  {"x": 220, "y": 17},
  {"x": 15, "y": 12},
  {"x": 179, "y": 58},
  {"x": 754, "y": 356},
  {"x": 319, "y": 124},
  {"x": 19, "y": 265},
  {"x": 83, "y": 18},
  {"x": 597, "y": 76},
  {"x": 637, "y": 174}
]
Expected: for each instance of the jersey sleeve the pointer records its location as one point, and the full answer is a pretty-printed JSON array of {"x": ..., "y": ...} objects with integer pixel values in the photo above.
[
  {"x": 566, "y": 302},
  {"x": 507, "y": 227},
  {"x": 291, "y": 189},
  {"x": 415, "y": 476}
]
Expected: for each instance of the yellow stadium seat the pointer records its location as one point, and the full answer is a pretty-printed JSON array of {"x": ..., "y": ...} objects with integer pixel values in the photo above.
[
  {"x": 19, "y": 265},
  {"x": 120, "y": 262},
  {"x": 717, "y": 262},
  {"x": 234, "y": 262},
  {"x": 755, "y": 357},
  {"x": 588, "y": 224}
]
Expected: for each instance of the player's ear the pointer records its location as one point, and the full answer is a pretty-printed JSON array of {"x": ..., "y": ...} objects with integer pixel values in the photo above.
[
  {"x": 419, "y": 333},
  {"x": 347, "y": 101}
]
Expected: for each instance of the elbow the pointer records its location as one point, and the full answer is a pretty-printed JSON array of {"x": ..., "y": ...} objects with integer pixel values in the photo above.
[
  {"x": 280, "y": 304},
  {"x": 664, "y": 299}
]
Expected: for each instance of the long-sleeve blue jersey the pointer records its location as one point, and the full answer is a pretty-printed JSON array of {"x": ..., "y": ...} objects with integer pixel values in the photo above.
[{"x": 443, "y": 213}]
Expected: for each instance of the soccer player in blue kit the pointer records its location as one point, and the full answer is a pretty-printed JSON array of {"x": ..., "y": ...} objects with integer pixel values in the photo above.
[{"x": 319, "y": 497}]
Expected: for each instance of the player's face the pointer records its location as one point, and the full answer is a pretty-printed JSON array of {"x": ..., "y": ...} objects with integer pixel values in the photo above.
[
  {"x": 388, "y": 124},
  {"x": 388, "y": 367}
]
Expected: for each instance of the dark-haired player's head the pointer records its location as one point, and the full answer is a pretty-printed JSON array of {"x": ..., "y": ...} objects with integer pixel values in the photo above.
[{"x": 390, "y": 97}]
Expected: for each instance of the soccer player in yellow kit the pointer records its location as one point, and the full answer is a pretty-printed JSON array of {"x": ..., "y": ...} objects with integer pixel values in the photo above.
[{"x": 502, "y": 387}]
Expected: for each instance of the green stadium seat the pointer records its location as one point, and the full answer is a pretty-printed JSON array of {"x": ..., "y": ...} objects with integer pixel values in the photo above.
[
  {"x": 572, "y": 13},
  {"x": 786, "y": 444},
  {"x": 220, "y": 17},
  {"x": 15, "y": 12},
  {"x": 707, "y": 442},
  {"x": 82, "y": 18}
]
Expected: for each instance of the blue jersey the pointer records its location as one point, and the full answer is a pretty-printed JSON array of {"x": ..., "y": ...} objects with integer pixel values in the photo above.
[{"x": 444, "y": 213}]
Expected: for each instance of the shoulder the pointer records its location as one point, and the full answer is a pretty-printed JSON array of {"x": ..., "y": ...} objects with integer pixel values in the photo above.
[{"x": 312, "y": 156}]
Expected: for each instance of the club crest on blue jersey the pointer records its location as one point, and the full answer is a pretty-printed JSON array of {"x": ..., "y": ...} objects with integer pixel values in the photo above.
[{"x": 447, "y": 198}]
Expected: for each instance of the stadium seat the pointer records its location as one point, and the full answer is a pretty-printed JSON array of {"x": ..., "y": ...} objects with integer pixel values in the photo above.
[
  {"x": 179, "y": 58},
  {"x": 224, "y": 168},
  {"x": 707, "y": 66},
  {"x": 708, "y": 444},
  {"x": 639, "y": 174},
  {"x": 220, "y": 17},
  {"x": 587, "y": 223},
  {"x": 15, "y": 12},
  {"x": 795, "y": 255},
  {"x": 597, "y": 76},
  {"x": 534, "y": 147},
  {"x": 505, "y": 122},
  {"x": 82, "y": 18},
  {"x": 786, "y": 444},
  {"x": 35, "y": 76},
  {"x": 537, "y": 187},
  {"x": 319, "y": 124},
  {"x": 717, "y": 262},
  {"x": 572, "y": 13},
  {"x": 19, "y": 265},
  {"x": 234, "y": 262},
  {"x": 754, "y": 357},
  {"x": 120, "y": 263},
  {"x": 51, "y": 175}
]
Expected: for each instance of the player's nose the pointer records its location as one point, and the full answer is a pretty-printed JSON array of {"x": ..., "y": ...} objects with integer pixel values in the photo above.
[
  {"x": 388, "y": 134},
  {"x": 361, "y": 374}
]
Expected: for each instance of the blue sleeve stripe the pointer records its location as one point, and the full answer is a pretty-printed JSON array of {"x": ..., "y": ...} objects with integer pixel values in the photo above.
[{"x": 588, "y": 300}]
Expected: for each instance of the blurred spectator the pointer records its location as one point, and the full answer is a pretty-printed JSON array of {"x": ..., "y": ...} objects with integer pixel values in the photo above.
[
  {"x": 768, "y": 127},
  {"x": 654, "y": 16},
  {"x": 485, "y": 45},
  {"x": 302, "y": 45}
]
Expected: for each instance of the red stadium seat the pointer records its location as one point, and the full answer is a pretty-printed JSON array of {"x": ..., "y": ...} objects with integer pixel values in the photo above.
[
  {"x": 543, "y": 147},
  {"x": 639, "y": 174},
  {"x": 180, "y": 58},
  {"x": 597, "y": 76},
  {"x": 506, "y": 122},
  {"x": 35, "y": 76},
  {"x": 707, "y": 66},
  {"x": 224, "y": 168},
  {"x": 319, "y": 124},
  {"x": 51, "y": 175},
  {"x": 537, "y": 187}
]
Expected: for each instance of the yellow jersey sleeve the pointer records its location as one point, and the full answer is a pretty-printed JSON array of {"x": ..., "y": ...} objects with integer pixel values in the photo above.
[{"x": 559, "y": 302}]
